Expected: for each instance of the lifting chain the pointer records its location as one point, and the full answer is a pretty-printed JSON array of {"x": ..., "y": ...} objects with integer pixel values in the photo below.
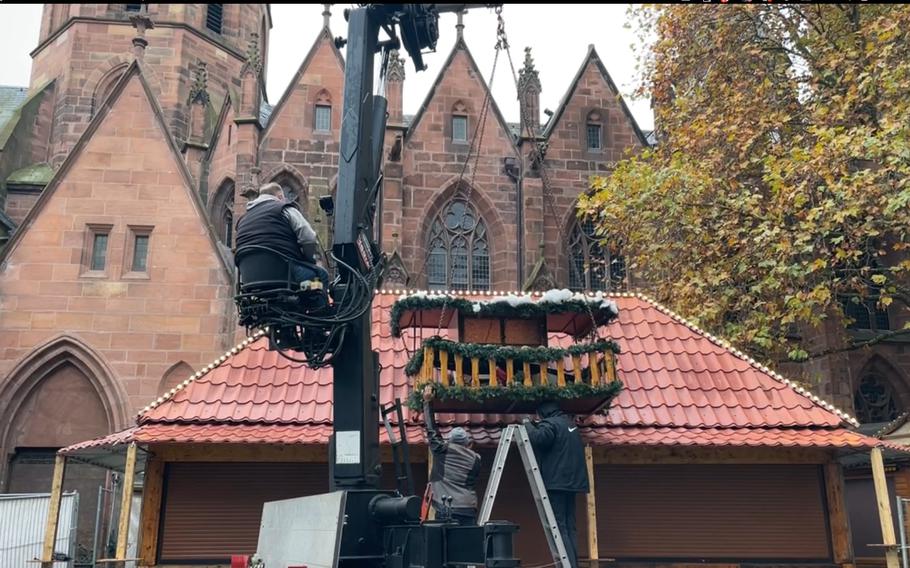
[{"x": 537, "y": 155}]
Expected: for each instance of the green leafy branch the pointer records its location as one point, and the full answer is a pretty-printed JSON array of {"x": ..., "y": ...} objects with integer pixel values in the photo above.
[
  {"x": 599, "y": 310},
  {"x": 514, "y": 392}
]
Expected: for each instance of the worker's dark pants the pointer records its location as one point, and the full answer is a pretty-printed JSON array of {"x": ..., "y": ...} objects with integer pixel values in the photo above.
[
  {"x": 464, "y": 517},
  {"x": 301, "y": 272},
  {"x": 563, "y": 504}
]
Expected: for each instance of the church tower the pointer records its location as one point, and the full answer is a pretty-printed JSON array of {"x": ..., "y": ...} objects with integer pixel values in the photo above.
[{"x": 85, "y": 48}]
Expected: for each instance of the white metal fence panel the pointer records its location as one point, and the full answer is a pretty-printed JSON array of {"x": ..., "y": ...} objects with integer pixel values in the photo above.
[{"x": 23, "y": 518}]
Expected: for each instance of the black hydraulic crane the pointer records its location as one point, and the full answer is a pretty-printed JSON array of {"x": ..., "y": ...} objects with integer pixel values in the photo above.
[{"x": 381, "y": 527}]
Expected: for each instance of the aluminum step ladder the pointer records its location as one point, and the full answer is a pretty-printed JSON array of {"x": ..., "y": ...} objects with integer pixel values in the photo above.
[{"x": 518, "y": 433}]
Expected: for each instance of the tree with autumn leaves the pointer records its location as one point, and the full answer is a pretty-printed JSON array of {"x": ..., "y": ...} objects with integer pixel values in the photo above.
[{"x": 778, "y": 189}]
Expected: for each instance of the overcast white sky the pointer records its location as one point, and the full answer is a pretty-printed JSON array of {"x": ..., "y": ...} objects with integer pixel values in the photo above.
[{"x": 558, "y": 34}]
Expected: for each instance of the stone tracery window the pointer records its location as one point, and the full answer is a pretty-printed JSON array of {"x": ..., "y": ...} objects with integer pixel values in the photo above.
[
  {"x": 322, "y": 117},
  {"x": 291, "y": 187},
  {"x": 459, "y": 122},
  {"x": 591, "y": 266},
  {"x": 222, "y": 212},
  {"x": 874, "y": 400},
  {"x": 458, "y": 249},
  {"x": 594, "y": 131}
]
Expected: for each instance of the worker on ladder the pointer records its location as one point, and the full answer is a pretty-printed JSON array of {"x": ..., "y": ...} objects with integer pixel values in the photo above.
[
  {"x": 560, "y": 453},
  {"x": 455, "y": 470}
]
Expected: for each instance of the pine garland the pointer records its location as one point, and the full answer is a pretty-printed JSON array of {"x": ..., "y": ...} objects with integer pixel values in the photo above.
[
  {"x": 602, "y": 311},
  {"x": 514, "y": 392},
  {"x": 520, "y": 355}
]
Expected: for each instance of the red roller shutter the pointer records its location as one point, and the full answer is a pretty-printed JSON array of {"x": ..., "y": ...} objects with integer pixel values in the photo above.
[
  {"x": 712, "y": 512},
  {"x": 213, "y": 510}
]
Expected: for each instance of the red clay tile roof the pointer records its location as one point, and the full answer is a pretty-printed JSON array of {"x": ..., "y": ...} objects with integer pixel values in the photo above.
[
  {"x": 682, "y": 387},
  {"x": 291, "y": 434}
]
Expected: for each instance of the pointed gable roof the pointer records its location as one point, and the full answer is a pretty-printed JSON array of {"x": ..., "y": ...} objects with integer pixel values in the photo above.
[
  {"x": 325, "y": 35},
  {"x": 460, "y": 45},
  {"x": 135, "y": 71},
  {"x": 593, "y": 58}
]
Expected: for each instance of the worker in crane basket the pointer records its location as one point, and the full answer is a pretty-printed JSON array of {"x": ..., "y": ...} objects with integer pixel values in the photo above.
[
  {"x": 560, "y": 454},
  {"x": 273, "y": 222},
  {"x": 456, "y": 467}
]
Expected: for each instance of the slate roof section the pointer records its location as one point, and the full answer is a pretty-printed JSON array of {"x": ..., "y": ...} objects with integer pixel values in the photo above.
[
  {"x": 265, "y": 113},
  {"x": 10, "y": 100}
]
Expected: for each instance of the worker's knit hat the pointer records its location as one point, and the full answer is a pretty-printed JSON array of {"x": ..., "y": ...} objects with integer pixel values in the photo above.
[{"x": 459, "y": 436}]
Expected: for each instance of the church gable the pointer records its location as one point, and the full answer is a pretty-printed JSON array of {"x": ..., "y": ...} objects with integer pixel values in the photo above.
[
  {"x": 319, "y": 81},
  {"x": 116, "y": 250},
  {"x": 459, "y": 91},
  {"x": 593, "y": 121}
]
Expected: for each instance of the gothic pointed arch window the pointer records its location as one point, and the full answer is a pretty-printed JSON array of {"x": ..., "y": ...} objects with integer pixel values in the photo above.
[
  {"x": 591, "y": 265},
  {"x": 322, "y": 117},
  {"x": 292, "y": 188},
  {"x": 458, "y": 249},
  {"x": 106, "y": 85},
  {"x": 875, "y": 401},
  {"x": 222, "y": 212}
]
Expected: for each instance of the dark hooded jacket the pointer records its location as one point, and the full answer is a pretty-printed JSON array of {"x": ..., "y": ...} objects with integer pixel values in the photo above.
[
  {"x": 455, "y": 470},
  {"x": 559, "y": 449}
]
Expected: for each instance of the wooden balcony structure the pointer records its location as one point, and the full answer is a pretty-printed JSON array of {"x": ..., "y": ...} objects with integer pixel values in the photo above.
[{"x": 497, "y": 358}]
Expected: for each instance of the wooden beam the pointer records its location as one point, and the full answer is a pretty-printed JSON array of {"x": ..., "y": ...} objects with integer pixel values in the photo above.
[
  {"x": 151, "y": 511},
  {"x": 53, "y": 512},
  {"x": 126, "y": 501},
  {"x": 257, "y": 453},
  {"x": 688, "y": 454},
  {"x": 241, "y": 452},
  {"x": 592, "y": 508},
  {"x": 837, "y": 514},
  {"x": 884, "y": 508}
]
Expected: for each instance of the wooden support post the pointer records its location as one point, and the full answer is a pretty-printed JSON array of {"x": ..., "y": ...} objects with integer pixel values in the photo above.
[
  {"x": 594, "y": 364},
  {"x": 151, "y": 511},
  {"x": 837, "y": 514},
  {"x": 884, "y": 508},
  {"x": 475, "y": 372},
  {"x": 491, "y": 364},
  {"x": 526, "y": 371},
  {"x": 444, "y": 366},
  {"x": 610, "y": 359},
  {"x": 428, "y": 359},
  {"x": 576, "y": 366},
  {"x": 560, "y": 372},
  {"x": 126, "y": 501},
  {"x": 459, "y": 370},
  {"x": 510, "y": 371},
  {"x": 592, "y": 508},
  {"x": 53, "y": 512}
]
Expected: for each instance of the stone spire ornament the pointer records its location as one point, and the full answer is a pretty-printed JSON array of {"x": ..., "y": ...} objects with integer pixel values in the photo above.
[
  {"x": 326, "y": 15},
  {"x": 395, "y": 70},
  {"x": 459, "y": 26},
  {"x": 253, "y": 54},
  {"x": 199, "y": 93},
  {"x": 528, "y": 75},
  {"x": 142, "y": 23}
]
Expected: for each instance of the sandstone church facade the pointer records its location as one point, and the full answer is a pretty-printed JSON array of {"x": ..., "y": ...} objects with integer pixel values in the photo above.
[{"x": 144, "y": 130}]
